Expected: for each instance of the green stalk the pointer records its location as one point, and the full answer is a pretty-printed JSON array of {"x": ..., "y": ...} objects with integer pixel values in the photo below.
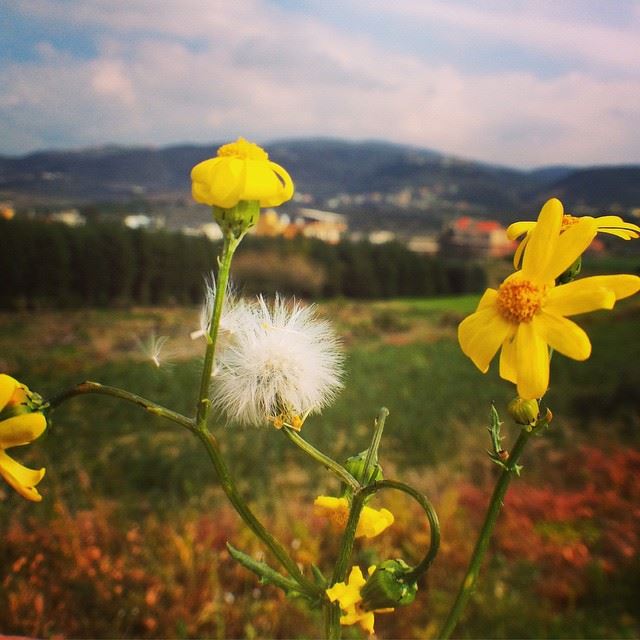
[
  {"x": 88, "y": 386},
  {"x": 211, "y": 445},
  {"x": 332, "y": 611},
  {"x": 230, "y": 245},
  {"x": 231, "y": 242},
  {"x": 372, "y": 452},
  {"x": 471, "y": 576},
  {"x": 320, "y": 457}
]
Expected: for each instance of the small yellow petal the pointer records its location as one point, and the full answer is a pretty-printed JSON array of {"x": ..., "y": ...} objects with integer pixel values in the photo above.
[
  {"x": 21, "y": 478},
  {"x": 481, "y": 334},
  {"x": 517, "y": 256},
  {"x": 532, "y": 361},
  {"x": 518, "y": 229},
  {"x": 21, "y": 429},
  {"x": 373, "y": 522},
  {"x": 7, "y": 387},
  {"x": 564, "y": 335}
]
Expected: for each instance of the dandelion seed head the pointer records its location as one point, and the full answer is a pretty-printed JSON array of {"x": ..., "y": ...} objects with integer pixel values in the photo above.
[{"x": 283, "y": 360}]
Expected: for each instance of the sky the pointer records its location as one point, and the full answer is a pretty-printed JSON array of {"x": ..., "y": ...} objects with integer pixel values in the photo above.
[{"x": 515, "y": 82}]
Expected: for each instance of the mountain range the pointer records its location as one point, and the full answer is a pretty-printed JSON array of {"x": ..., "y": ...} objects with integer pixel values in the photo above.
[{"x": 368, "y": 178}]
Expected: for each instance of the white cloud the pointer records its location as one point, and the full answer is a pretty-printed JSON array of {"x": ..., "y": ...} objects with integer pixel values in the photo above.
[{"x": 202, "y": 71}]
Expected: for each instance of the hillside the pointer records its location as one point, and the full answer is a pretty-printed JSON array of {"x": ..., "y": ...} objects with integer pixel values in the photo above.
[{"x": 369, "y": 181}]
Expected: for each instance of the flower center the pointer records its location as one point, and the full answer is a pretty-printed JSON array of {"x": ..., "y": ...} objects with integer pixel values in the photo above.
[
  {"x": 568, "y": 221},
  {"x": 519, "y": 300},
  {"x": 243, "y": 150}
]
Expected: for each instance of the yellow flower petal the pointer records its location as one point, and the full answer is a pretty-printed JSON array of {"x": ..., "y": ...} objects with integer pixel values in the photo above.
[
  {"x": 21, "y": 429},
  {"x": 241, "y": 171},
  {"x": 356, "y": 579},
  {"x": 373, "y": 522},
  {"x": 488, "y": 299},
  {"x": 571, "y": 244},
  {"x": 543, "y": 240},
  {"x": 518, "y": 229},
  {"x": 7, "y": 387},
  {"x": 564, "y": 335},
  {"x": 508, "y": 362},
  {"x": 286, "y": 192},
  {"x": 367, "y": 620},
  {"x": 481, "y": 334},
  {"x": 532, "y": 361},
  {"x": 589, "y": 294},
  {"x": 616, "y": 226},
  {"x": 22, "y": 479}
]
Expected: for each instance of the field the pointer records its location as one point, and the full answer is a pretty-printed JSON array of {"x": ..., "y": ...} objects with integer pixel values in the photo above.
[{"x": 130, "y": 538}]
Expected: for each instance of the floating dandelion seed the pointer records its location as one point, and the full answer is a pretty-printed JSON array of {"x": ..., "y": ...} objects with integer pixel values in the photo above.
[
  {"x": 282, "y": 364},
  {"x": 152, "y": 348}
]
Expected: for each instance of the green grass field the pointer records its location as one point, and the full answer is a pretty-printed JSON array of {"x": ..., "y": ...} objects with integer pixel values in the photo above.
[{"x": 401, "y": 354}]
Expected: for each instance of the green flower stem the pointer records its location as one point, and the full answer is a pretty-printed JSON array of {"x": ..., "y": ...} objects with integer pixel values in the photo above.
[
  {"x": 88, "y": 387},
  {"x": 372, "y": 452},
  {"x": 320, "y": 457},
  {"x": 332, "y": 628},
  {"x": 469, "y": 582},
  {"x": 211, "y": 445},
  {"x": 229, "y": 247},
  {"x": 432, "y": 517}
]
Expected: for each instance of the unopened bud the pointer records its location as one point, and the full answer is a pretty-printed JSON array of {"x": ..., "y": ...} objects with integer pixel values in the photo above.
[
  {"x": 355, "y": 466},
  {"x": 389, "y": 586},
  {"x": 524, "y": 411}
]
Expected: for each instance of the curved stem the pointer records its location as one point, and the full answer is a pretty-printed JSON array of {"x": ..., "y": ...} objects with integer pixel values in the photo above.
[
  {"x": 469, "y": 581},
  {"x": 88, "y": 387},
  {"x": 432, "y": 517},
  {"x": 333, "y": 466},
  {"x": 228, "y": 249},
  {"x": 213, "y": 449}
]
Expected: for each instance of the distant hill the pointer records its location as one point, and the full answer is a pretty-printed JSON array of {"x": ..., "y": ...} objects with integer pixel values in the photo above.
[{"x": 367, "y": 180}]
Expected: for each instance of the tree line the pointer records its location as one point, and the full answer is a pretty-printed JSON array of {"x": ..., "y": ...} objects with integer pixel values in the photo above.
[{"x": 53, "y": 265}]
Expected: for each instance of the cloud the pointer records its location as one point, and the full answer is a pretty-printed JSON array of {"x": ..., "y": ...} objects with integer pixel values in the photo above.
[{"x": 202, "y": 71}]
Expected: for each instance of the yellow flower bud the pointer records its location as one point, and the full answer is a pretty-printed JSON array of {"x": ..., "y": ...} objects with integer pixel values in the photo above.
[{"x": 241, "y": 171}]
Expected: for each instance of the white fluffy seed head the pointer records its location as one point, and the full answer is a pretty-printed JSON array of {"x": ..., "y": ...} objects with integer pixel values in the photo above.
[{"x": 282, "y": 359}]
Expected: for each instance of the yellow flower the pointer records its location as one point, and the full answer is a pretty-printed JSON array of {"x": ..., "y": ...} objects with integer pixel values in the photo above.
[
  {"x": 18, "y": 426},
  {"x": 613, "y": 225},
  {"x": 349, "y": 597},
  {"x": 372, "y": 521},
  {"x": 527, "y": 313},
  {"x": 241, "y": 171}
]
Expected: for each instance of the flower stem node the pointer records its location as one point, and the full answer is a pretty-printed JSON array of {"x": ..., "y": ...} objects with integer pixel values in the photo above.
[
  {"x": 390, "y": 585},
  {"x": 238, "y": 219},
  {"x": 525, "y": 412}
]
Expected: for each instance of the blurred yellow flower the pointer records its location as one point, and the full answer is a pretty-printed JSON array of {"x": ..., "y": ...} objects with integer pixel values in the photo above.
[
  {"x": 527, "y": 314},
  {"x": 613, "y": 225},
  {"x": 349, "y": 598},
  {"x": 241, "y": 171},
  {"x": 372, "y": 521},
  {"x": 18, "y": 426}
]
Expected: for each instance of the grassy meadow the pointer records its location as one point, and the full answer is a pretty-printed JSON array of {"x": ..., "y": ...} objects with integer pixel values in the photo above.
[{"x": 129, "y": 540}]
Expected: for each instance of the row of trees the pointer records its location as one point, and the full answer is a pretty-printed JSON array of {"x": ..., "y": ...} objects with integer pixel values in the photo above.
[{"x": 102, "y": 264}]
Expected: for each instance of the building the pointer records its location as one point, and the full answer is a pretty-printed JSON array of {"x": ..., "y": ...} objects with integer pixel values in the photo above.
[{"x": 468, "y": 237}]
